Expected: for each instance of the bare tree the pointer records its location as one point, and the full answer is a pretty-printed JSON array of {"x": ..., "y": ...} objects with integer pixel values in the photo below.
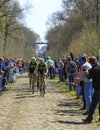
[
  {"x": 13, "y": 13},
  {"x": 2, "y": 3},
  {"x": 97, "y": 14}
]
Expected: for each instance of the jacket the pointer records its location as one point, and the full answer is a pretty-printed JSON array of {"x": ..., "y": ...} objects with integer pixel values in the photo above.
[{"x": 94, "y": 73}]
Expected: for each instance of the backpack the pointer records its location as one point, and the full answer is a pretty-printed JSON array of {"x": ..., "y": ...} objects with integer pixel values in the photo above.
[{"x": 72, "y": 67}]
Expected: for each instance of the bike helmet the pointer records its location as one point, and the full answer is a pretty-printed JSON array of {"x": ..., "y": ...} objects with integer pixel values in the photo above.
[
  {"x": 41, "y": 60},
  {"x": 33, "y": 59}
]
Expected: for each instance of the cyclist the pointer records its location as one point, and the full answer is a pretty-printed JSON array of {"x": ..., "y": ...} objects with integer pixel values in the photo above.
[
  {"x": 42, "y": 70},
  {"x": 31, "y": 68}
]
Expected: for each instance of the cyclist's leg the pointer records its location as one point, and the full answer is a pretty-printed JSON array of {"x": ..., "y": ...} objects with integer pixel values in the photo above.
[
  {"x": 33, "y": 83},
  {"x": 42, "y": 87},
  {"x": 44, "y": 84},
  {"x": 40, "y": 80},
  {"x": 37, "y": 80},
  {"x": 30, "y": 79},
  {"x": 40, "y": 83}
]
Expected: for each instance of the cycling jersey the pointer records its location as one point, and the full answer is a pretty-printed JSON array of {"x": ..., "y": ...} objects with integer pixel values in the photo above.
[
  {"x": 41, "y": 68},
  {"x": 32, "y": 67}
]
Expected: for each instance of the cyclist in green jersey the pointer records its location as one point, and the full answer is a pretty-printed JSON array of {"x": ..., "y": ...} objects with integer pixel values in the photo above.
[
  {"x": 32, "y": 68},
  {"x": 42, "y": 70}
]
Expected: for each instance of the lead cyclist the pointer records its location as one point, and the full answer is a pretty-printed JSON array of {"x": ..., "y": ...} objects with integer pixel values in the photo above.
[{"x": 31, "y": 68}]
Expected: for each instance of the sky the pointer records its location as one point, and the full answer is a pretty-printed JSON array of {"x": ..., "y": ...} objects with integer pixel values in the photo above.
[{"x": 37, "y": 17}]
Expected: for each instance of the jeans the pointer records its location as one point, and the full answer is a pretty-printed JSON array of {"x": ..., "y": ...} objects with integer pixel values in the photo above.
[
  {"x": 82, "y": 93},
  {"x": 78, "y": 90},
  {"x": 60, "y": 75},
  {"x": 95, "y": 101},
  {"x": 88, "y": 91},
  {"x": 71, "y": 79},
  {"x": 51, "y": 72}
]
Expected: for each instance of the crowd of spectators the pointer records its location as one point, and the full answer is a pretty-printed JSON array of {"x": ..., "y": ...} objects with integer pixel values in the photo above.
[
  {"x": 75, "y": 71},
  {"x": 10, "y": 68}
]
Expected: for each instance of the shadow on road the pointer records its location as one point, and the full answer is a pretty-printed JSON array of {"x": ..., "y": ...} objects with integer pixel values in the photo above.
[
  {"x": 70, "y": 122},
  {"x": 68, "y": 112},
  {"x": 68, "y": 102},
  {"x": 29, "y": 96}
]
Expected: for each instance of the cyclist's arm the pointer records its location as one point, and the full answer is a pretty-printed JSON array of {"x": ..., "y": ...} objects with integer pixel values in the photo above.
[{"x": 46, "y": 69}]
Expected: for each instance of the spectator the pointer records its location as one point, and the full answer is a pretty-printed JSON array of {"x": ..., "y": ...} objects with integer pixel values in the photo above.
[
  {"x": 51, "y": 68},
  {"x": 88, "y": 89},
  {"x": 70, "y": 70},
  {"x": 64, "y": 73},
  {"x": 94, "y": 73},
  {"x": 60, "y": 69}
]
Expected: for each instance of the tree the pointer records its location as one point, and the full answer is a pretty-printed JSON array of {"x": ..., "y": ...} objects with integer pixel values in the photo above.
[
  {"x": 3, "y": 2},
  {"x": 14, "y": 36},
  {"x": 12, "y": 13}
]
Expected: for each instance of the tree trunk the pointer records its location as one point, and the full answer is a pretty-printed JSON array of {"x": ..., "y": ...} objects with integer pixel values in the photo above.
[
  {"x": 97, "y": 15},
  {"x": 5, "y": 41}
]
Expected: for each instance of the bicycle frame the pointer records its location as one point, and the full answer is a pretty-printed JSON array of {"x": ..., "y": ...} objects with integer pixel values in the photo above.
[{"x": 41, "y": 85}]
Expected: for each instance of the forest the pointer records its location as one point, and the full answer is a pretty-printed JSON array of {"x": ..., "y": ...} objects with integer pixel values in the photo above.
[
  {"x": 76, "y": 28},
  {"x": 16, "y": 39}
]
